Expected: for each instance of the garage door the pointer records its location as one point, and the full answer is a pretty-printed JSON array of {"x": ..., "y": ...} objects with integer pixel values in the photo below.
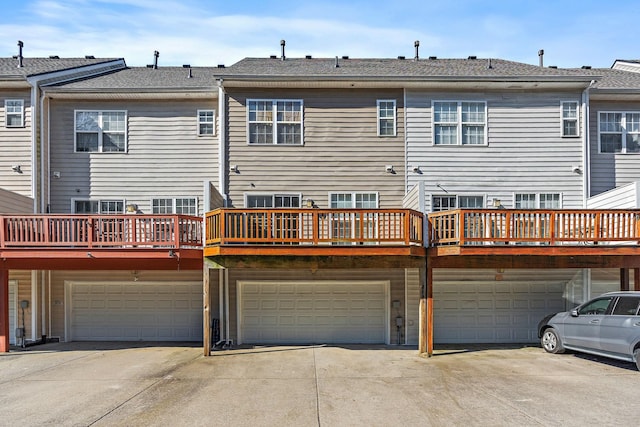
[
  {"x": 13, "y": 310},
  {"x": 494, "y": 312},
  {"x": 313, "y": 312},
  {"x": 134, "y": 311}
]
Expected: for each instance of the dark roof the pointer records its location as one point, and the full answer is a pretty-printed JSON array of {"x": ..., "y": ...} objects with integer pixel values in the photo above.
[
  {"x": 36, "y": 66},
  {"x": 609, "y": 78},
  {"x": 162, "y": 78},
  {"x": 393, "y": 68}
]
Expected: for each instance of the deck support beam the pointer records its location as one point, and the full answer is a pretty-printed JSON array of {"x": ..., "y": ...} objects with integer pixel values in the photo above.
[
  {"x": 206, "y": 314},
  {"x": 624, "y": 279},
  {"x": 425, "y": 339},
  {"x": 4, "y": 311},
  {"x": 636, "y": 279}
]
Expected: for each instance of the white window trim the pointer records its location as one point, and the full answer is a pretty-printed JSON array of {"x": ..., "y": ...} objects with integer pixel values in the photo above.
[
  {"x": 457, "y": 196},
  {"x": 563, "y": 119},
  {"x": 537, "y": 195},
  {"x": 7, "y": 113},
  {"x": 460, "y": 123},
  {"x": 204, "y": 110},
  {"x": 353, "y": 195},
  {"x": 274, "y": 107},
  {"x": 100, "y": 134},
  {"x": 273, "y": 196},
  {"x": 82, "y": 199},
  {"x": 395, "y": 115},
  {"x": 173, "y": 203},
  {"x": 623, "y": 133}
]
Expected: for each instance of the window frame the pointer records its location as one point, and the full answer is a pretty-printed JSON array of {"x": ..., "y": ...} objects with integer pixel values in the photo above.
[
  {"x": 564, "y": 119},
  {"x": 456, "y": 198},
  {"x": 354, "y": 195},
  {"x": 459, "y": 123},
  {"x": 202, "y": 123},
  {"x": 174, "y": 205},
  {"x": 273, "y": 199},
  {"x": 101, "y": 132},
  {"x": 624, "y": 132},
  {"x": 537, "y": 200},
  {"x": 380, "y": 119},
  {"x": 274, "y": 121},
  {"x": 8, "y": 113},
  {"x": 98, "y": 204}
]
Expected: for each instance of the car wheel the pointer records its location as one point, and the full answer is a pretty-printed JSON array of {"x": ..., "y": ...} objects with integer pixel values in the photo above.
[
  {"x": 636, "y": 355},
  {"x": 551, "y": 341}
]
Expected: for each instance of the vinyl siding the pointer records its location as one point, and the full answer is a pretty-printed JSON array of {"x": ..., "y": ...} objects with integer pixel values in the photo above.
[
  {"x": 15, "y": 203},
  {"x": 610, "y": 170},
  {"x": 625, "y": 197},
  {"x": 341, "y": 151},
  {"x": 525, "y": 151},
  {"x": 16, "y": 147},
  {"x": 23, "y": 277},
  {"x": 165, "y": 158}
]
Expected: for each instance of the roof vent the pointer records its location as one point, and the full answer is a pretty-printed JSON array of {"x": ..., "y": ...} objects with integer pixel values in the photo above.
[
  {"x": 489, "y": 64},
  {"x": 149, "y": 65},
  {"x": 416, "y": 44},
  {"x": 337, "y": 64},
  {"x": 54, "y": 57},
  {"x": 345, "y": 56},
  {"x": 401, "y": 57},
  {"x": 20, "y": 57},
  {"x": 89, "y": 57},
  {"x": 156, "y": 54},
  {"x": 282, "y": 43},
  {"x": 186, "y": 66},
  {"x": 273, "y": 57},
  {"x": 553, "y": 66},
  {"x": 472, "y": 57},
  {"x": 586, "y": 67},
  {"x": 308, "y": 57},
  {"x": 220, "y": 65},
  {"x": 190, "y": 75},
  {"x": 433, "y": 57},
  {"x": 541, "y": 56}
]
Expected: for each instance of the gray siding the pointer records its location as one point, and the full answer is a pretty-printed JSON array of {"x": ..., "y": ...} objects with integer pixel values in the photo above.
[
  {"x": 165, "y": 158},
  {"x": 625, "y": 197},
  {"x": 15, "y": 203},
  {"x": 525, "y": 151},
  {"x": 341, "y": 151},
  {"x": 15, "y": 146},
  {"x": 610, "y": 170}
]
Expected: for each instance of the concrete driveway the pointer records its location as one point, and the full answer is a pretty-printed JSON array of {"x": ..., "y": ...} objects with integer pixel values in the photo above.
[{"x": 82, "y": 384}]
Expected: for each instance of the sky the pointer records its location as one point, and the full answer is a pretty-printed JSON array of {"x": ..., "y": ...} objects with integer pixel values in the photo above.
[{"x": 572, "y": 33}]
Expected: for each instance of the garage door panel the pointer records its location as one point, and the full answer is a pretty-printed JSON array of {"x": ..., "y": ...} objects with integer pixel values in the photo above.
[{"x": 313, "y": 312}]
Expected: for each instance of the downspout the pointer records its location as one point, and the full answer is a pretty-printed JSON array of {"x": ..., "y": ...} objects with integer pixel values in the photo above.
[
  {"x": 586, "y": 154},
  {"x": 406, "y": 143},
  {"x": 222, "y": 137},
  {"x": 36, "y": 122}
]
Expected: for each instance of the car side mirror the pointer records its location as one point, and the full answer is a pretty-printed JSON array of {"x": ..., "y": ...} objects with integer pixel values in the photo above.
[{"x": 574, "y": 313}]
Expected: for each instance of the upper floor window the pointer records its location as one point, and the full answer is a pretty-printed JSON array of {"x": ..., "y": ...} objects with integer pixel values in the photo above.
[
  {"x": 100, "y": 131},
  {"x": 459, "y": 123},
  {"x": 538, "y": 201},
  {"x": 272, "y": 200},
  {"x": 14, "y": 113},
  {"x": 206, "y": 122},
  {"x": 570, "y": 118},
  {"x": 387, "y": 117},
  {"x": 181, "y": 206},
  {"x": 445, "y": 203},
  {"x": 98, "y": 206},
  {"x": 275, "y": 122},
  {"x": 619, "y": 132}
]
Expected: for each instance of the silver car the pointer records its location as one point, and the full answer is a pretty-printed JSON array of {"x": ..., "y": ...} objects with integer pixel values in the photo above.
[{"x": 608, "y": 325}]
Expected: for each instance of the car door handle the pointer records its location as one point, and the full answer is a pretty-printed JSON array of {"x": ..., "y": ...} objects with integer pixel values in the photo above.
[{"x": 595, "y": 321}]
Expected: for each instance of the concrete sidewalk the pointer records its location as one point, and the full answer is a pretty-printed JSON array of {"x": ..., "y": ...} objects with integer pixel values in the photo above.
[{"x": 115, "y": 384}]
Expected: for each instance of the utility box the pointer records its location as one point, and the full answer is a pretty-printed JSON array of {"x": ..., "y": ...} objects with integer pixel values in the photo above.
[{"x": 19, "y": 332}]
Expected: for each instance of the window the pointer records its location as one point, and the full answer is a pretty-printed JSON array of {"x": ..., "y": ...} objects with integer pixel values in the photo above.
[
  {"x": 206, "y": 122},
  {"x": 353, "y": 200},
  {"x": 98, "y": 206},
  {"x": 100, "y": 131},
  {"x": 619, "y": 132},
  {"x": 569, "y": 118},
  {"x": 445, "y": 203},
  {"x": 459, "y": 123},
  {"x": 14, "y": 113},
  {"x": 272, "y": 200},
  {"x": 386, "y": 117},
  {"x": 626, "y": 306},
  {"x": 538, "y": 201},
  {"x": 180, "y": 206},
  {"x": 348, "y": 226},
  {"x": 275, "y": 122},
  {"x": 595, "y": 307}
]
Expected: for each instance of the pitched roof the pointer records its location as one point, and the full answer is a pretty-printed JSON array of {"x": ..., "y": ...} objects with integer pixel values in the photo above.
[
  {"x": 36, "y": 66},
  {"x": 609, "y": 78}
]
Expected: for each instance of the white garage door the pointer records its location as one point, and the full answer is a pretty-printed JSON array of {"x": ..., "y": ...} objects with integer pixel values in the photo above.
[
  {"x": 313, "y": 312},
  {"x": 495, "y": 312},
  {"x": 13, "y": 310},
  {"x": 134, "y": 311}
]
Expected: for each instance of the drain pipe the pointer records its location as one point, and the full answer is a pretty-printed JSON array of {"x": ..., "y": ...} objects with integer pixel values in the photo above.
[
  {"x": 226, "y": 300},
  {"x": 586, "y": 155}
]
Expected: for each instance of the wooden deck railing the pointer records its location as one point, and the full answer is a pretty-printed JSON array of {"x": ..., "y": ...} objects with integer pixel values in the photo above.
[
  {"x": 100, "y": 231},
  {"x": 530, "y": 227},
  {"x": 314, "y": 226}
]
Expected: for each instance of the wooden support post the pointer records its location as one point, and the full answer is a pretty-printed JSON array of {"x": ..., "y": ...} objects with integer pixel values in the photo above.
[
  {"x": 4, "y": 311},
  {"x": 429, "y": 311},
  {"x": 206, "y": 314},
  {"x": 624, "y": 279},
  {"x": 422, "y": 316},
  {"x": 636, "y": 279}
]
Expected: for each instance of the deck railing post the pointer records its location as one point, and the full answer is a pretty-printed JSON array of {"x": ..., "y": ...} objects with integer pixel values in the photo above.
[{"x": 3, "y": 236}]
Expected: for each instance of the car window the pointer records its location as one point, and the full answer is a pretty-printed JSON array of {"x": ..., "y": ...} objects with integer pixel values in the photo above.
[
  {"x": 597, "y": 306},
  {"x": 626, "y": 306}
]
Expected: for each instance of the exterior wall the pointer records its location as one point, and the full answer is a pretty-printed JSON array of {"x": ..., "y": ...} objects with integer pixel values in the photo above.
[
  {"x": 23, "y": 277},
  {"x": 15, "y": 146},
  {"x": 525, "y": 152},
  {"x": 56, "y": 304},
  {"x": 341, "y": 150},
  {"x": 11, "y": 202},
  {"x": 625, "y": 197},
  {"x": 610, "y": 170},
  {"x": 395, "y": 276},
  {"x": 165, "y": 158}
]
